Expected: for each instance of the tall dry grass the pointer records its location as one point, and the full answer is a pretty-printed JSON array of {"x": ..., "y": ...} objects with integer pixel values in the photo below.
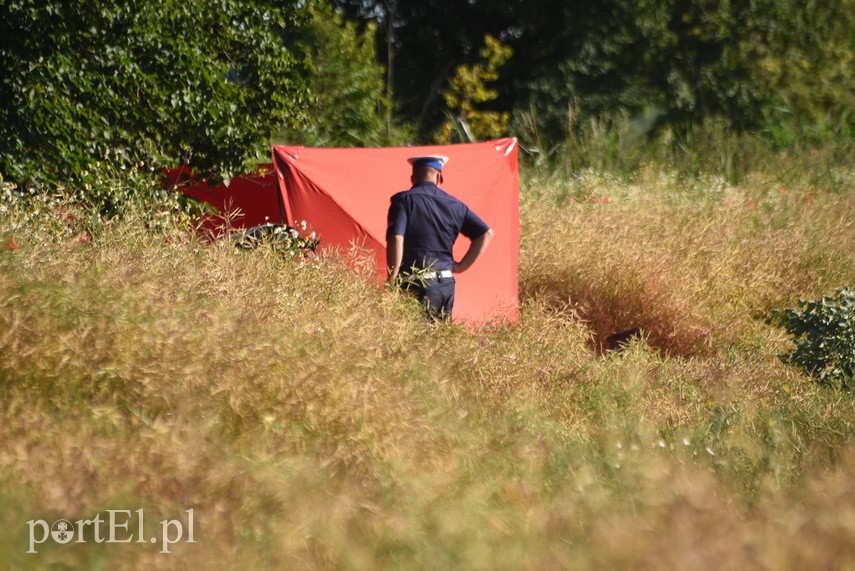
[
  {"x": 313, "y": 421},
  {"x": 689, "y": 262}
]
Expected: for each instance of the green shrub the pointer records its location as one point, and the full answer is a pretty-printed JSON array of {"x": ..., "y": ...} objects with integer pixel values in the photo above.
[
  {"x": 824, "y": 334},
  {"x": 349, "y": 107},
  {"x": 198, "y": 82}
]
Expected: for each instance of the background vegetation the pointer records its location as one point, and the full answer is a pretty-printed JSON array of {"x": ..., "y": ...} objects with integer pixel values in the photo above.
[
  {"x": 687, "y": 169},
  {"x": 196, "y": 82},
  {"x": 210, "y": 82},
  {"x": 778, "y": 65}
]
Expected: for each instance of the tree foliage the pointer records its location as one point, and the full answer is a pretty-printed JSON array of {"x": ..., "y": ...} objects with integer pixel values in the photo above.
[
  {"x": 206, "y": 82},
  {"x": 349, "y": 104},
  {"x": 468, "y": 89},
  {"x": 428, "y": 40},
  {"x": 785, "y": 66},
  {"x": 200, "y": 82}
]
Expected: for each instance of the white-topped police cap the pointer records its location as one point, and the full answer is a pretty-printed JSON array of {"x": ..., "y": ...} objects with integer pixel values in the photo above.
[{"x": 435, "y": 161}]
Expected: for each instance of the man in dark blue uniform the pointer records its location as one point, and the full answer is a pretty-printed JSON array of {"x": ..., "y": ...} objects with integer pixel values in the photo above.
[{"x": 423, "y": 224}]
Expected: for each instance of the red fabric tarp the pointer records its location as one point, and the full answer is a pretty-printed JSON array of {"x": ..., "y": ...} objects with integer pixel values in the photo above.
[
  {"x": 250, "y": 200},
  {"x": 343, "y": 195}
]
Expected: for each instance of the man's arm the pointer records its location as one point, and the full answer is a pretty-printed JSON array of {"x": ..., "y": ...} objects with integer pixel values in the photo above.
[
  {"x": 476, "y": 248},
  {"x": 394, "y": 256}
]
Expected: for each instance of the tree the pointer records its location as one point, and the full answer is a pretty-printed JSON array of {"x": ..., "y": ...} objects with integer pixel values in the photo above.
[
  {"x": 749, "y": 64},
  {"x": 423, "y": 42},
  {"x": 198, "y": 82},
  {"x": 469, "y": 87},
  {"x": 349, "y": 108}
]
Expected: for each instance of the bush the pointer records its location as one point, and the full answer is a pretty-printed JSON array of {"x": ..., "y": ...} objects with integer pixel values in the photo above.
[
  {"x": 199, "y": 82},
  {"x": 824, "y": 334},
  {"x": 349, "y": 107}
]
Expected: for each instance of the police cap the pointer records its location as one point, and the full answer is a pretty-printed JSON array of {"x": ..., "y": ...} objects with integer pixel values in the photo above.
[{"x": 433, "y": 161}]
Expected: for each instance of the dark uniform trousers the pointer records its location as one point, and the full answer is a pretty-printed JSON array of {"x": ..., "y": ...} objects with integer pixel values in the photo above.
[{"x": 436, "y": 295}]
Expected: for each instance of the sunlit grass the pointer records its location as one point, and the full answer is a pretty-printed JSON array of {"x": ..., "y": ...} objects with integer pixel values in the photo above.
[{"x": 314, "y": 421}]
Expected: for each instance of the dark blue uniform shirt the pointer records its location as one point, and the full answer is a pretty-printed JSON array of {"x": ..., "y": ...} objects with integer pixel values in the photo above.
[{"x": 430, "y": 219}]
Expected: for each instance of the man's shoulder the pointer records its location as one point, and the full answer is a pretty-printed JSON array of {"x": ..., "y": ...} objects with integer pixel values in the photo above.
[
  {"x": 432, "y": 191},
  {"x": 399, "y": 196},
  {"x": 416, "y": 191},
  {"x": 437, "y": 193}
]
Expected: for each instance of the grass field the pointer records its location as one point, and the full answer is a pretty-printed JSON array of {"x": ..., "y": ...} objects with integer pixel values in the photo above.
[{"x": 312, "y": 421}]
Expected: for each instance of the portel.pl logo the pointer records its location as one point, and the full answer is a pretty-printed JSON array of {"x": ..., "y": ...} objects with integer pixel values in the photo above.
[{"x": 115, "y": 527}]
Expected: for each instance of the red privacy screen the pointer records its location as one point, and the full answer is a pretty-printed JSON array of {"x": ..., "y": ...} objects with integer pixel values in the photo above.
[
  {"x": 343, "y": 194},
  {"x": 250, "y": 200}
]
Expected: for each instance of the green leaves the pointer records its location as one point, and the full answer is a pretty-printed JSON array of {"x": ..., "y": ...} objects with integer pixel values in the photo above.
[
  {"x": 468, "y": 89},
  {"x": 198, "y": 82},
  {"x": 824, "y": 335},
  {"x": 347, "y": 105},
  {"x": 785, "y": 66}
]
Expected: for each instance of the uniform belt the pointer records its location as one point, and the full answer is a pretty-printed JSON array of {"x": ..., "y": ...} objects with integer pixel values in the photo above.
[{"x": 429, "y": 276}]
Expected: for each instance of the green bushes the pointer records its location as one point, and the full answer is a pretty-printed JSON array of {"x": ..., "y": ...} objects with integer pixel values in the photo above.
[
  {"x": 782, "y": 66},
  {"x": 824, "y": 334},
  {"x": 348, "y": 107},
  {"x": 198, "y": 82}
]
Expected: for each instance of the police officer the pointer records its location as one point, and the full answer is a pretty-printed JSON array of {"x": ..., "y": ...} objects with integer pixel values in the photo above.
[{"x": 423, "y": 224}]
